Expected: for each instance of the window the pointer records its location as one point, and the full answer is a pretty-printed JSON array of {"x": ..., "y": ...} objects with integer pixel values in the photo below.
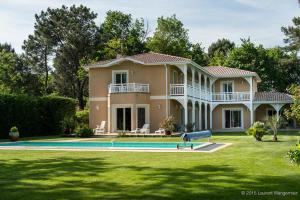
[
  {"x": 271, "y": 112},
  {"x": 175, "y": 77},
  {"x": 120, "y": 77},
  {"x": 141, "y": 119},
  {"x": 227, "y": 87},
  {"x": 233, "y": 118}
]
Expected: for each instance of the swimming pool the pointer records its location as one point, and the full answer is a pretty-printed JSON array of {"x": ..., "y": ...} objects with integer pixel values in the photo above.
[{"x": 104, "y": 145}]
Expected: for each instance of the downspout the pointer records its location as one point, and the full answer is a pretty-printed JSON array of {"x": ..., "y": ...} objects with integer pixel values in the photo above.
[{"x": 166, "y": 67}]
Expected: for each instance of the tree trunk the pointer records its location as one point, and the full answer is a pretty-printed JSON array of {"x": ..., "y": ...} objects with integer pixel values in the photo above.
[
  {"x": 79, "y": 95},
  {"x": 46, "y": 71},
  {"x": 275, "y": 138}
]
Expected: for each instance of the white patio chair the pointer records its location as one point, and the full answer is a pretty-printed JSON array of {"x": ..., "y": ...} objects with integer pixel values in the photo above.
[
  {"x": 160, "y": 131},
  {"x": 100, "y": 128},
  {"x": 145, "y": 129}
]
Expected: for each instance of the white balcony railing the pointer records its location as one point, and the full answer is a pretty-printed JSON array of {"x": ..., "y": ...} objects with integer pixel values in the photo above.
[
  {"x": 128, "y": 87},
  {"x": 178, "y": 90},
  {"x": 231, "y": 96}
]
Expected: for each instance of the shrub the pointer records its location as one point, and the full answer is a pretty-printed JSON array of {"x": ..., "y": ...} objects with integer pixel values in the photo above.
[
  {"x": 85, "y": 132},
  {"x": 168, "y": 124},
  {"x": 257, "y": 130},
  {"x": 14, "y": 129},
  {"x": 82, "y": 117},
  {"x": 189, "y": 127},
  {"x": 294, "y": 156},
  {"x": 34, "y": 115}
]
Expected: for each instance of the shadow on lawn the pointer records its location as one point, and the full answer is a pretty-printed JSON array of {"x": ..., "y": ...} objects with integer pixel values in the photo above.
[{"x": 85, "y": 179}]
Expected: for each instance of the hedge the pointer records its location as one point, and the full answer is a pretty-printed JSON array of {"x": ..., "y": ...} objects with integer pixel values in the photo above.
[{"x": 34, "y": 116}]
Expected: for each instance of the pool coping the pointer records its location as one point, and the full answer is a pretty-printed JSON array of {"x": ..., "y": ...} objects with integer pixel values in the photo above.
[{"x": 119, "y": 149}]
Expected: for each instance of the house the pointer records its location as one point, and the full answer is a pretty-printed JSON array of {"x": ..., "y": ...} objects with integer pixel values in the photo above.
[{"x": 130, "y": 91}]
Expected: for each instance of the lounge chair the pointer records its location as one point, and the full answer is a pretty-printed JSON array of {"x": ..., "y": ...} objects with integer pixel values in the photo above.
[
  {"x": 145, "y": 129},
  {"x": 160, "y": 131},
  {"x": 100, "y": 128}
]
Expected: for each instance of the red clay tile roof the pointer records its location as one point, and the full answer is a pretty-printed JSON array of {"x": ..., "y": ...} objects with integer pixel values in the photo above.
[
  {"x": 158, "y": 58},
  {"x": 221, "y": 71},
  {"x": 272, "y": 96},
  {"x": 145, "y": 58}
]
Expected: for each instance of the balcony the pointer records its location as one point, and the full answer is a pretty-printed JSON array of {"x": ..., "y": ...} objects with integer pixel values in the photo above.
[
  {"x": 128, "y": 87},
  {"x": 230, "y": 96},
  {"x": 178, "y": 90},
  {"x": 196, "y": 92}
]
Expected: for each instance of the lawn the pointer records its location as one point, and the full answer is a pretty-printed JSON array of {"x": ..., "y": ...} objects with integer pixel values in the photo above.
[{"x": 244, "y": 166}]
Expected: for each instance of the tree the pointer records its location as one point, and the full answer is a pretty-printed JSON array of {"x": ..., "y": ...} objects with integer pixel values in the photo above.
[
  {"x": 292, "y": 34},
  {"x": 15, "y": 76},
  {"x": 218, "y": 59},
  {"x": 120, "y": 34},
  {"x": 274, "y": 125},
  {"x": 198, "y": 55},
  {"x": 72, "y": 32},
  {"x": 170, "y": 37},
  {"x": 252, "y": 58},
  {"x": 38, "y": 50},
  {"x": 221, "y": 46},
  {"x": 294, "y": 110}
]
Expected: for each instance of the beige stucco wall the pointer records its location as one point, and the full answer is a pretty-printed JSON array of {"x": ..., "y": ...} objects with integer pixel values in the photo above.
[
  {"x": 239, "y": 84},
  {"x": 261, "y": 112},
  {"x": 217, "y": 115},
  {"x": 100, "y": 78},
  {"x": 157, "y": 113},
  {"x": 98, "y": 113}
]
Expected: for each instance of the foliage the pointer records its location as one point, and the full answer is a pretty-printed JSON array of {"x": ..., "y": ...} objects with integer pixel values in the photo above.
[
  {"x": 274, "y": 124},
  {"x": 257, "y": 130},
  {"x": 82, "y": 117},
  {"x": 14, "y": 129},
  {"x": 218, "y": 59},
  {"x": 72, "y": 33},
  {"x": 294, "y": 109},
  {"x": 121, "y": 35},
  {"x": 292, "y": 34},
  {"x": 38, "y": 51},
  {"x": 294, "y": 156},
  {"x": 190, "y": 127},
  {"x": 34, "y": 115},
  {"x": 85, "y": 131},
  {"x": 168, "y": 124},
  {"x": 198, "y": 55},
  {"x": 222, "y": 46},
  {"x": 170, "y": 37}
]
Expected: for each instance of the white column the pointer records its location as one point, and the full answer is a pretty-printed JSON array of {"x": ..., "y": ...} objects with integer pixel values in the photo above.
[
  {"x": 205, "y": 83},
  {"x": 251, "y": 101},
  {"x": 210, "y": 116},
  {"x": 205, "y": 115},
  {"x": 193, "y": 81},
  {"x": 200, "y": 89},
  {"x": 185, "y": 96},
  {"x": 193, "y": 112},
  {"x": 185, "y": 113},
  {"x": 200, "y": 115}
]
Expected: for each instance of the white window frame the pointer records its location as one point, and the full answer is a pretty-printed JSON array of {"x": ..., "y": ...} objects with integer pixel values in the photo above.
[
  {"x": 114, "y": 72},
  {"x": 147, "y": 113},
  {"x": 114, "y": 114},
  {"x": 225, "y": 82},
  {"x": 233, "y": 109},
  {"x": 270, "y": 109}
]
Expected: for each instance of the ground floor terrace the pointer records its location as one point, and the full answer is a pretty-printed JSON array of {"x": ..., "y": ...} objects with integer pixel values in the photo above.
[
  {"x": 122, "y": 116},
  {"x": 244, "y": 166}
]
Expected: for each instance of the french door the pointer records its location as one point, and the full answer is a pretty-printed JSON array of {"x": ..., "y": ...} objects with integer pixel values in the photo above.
[
  {"x": 233, "y": 118},
  {"x": 121, "y": 78},
  {"x": 141, "y": 116},
  {"x": 227, "y": 89},
  {"x": 123, "y": 119}
]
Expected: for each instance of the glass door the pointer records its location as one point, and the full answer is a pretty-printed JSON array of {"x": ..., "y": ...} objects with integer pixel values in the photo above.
[
  {"x": 141, "y": 117},
  {"x": 227, "y": 89},
  {"x": 233, "y": 119},
  {"x": 123, "y": 119}
]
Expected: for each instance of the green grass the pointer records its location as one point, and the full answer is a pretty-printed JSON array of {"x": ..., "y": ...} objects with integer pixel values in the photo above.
[{"x": 244, "y": 166}]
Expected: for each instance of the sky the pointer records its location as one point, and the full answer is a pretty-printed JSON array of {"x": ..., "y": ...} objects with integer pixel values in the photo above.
[{"x": 206, "y": 20}]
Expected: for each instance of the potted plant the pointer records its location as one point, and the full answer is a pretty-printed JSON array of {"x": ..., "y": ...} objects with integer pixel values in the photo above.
[
  {"x": 14, "y": 134},
  {"x": 168, "y": 125}
]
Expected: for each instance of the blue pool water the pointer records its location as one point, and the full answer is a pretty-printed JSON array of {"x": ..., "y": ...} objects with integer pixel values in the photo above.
[{"x": 138, "y": 145}]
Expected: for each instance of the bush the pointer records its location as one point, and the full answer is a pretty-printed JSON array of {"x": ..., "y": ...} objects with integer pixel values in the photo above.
[
  {"x": 34, "y": 115},
  {"x": 168, "y": 124},
  {"x": 294, "y": 156},
  {"x": 82, "y": 117},
  {"x": 257, "y": 130},
  {"x": 14, "y": 129},
  {"x": 85, "y": 132}
]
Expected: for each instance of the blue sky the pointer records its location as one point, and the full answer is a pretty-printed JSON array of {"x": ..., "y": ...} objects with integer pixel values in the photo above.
[{"x": 207, "y": 20}]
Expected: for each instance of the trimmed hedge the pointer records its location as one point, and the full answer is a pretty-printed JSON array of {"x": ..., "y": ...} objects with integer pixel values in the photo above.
[{"x": 34, "y": 116}]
